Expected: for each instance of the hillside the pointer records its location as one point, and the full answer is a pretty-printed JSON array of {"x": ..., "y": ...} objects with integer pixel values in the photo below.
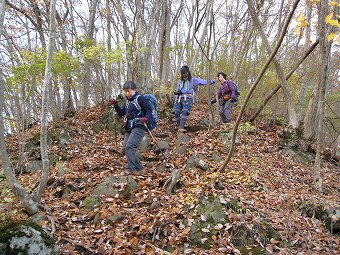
[{"x": 262, "y": 183}]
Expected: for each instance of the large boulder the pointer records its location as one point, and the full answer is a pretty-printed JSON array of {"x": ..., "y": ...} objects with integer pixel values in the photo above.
[
  {"x": 26, "y": 238},
  {"x": 330, "y": 216},
  {"x": 115, "y": 186}
]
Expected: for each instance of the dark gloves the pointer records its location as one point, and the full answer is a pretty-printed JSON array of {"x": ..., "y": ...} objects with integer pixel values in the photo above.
[
  {"x": 143, "y": 120},
  {"x": 112, "y": 101},
  {"x": 178, "y": 93}
]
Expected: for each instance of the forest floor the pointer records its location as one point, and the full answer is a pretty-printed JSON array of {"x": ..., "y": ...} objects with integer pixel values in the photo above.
[{"x": 259, "y": 175}]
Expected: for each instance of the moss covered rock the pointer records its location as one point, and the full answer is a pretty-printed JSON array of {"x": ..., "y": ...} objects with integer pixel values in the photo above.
[
  {"x": 210, "y": 218},
  {"x": 26, "y": 238}
]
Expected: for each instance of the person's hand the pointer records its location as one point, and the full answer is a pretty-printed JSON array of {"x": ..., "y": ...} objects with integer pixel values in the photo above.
[
  {"x": 143, "y": 120},
  {"x": 226, "y": 97},
  {"x": 112, "y": 101}
]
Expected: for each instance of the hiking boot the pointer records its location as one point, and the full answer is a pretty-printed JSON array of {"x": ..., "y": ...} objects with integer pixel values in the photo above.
[
  {"x": 182, "y": 130},
  {"x": 128, "y": 170}
]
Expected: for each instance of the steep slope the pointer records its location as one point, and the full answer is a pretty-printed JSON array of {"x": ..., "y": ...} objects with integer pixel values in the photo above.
[{"x": 267, "y": 184}]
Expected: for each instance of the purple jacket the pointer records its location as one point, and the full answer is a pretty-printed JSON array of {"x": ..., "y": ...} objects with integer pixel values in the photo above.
[
  {"x": 227, "y": 87},
  {"x": 194, "y": 82}
]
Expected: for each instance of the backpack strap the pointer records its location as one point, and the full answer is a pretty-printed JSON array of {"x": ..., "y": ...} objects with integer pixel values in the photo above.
[{"x": 134, "y": 102}]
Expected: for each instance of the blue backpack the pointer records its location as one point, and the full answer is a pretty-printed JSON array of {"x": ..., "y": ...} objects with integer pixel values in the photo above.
[
  {"x": 153, "y": 123},
  {"x": 237, "y": 92}
]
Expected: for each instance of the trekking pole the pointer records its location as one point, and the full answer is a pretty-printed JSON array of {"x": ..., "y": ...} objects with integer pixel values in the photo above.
[
  {"x": 153, "y": 138},
  {"x": 115, "y": 124}
]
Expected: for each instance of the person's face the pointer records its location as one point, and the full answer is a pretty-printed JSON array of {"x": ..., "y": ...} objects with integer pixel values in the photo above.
[
  {"x": 185, "y": 76},
  {"x": 220, "y": 77},
  {"x": 129, "y": 93}
]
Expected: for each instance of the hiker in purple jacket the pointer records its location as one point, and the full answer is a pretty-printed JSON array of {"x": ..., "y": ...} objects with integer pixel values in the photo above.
[
  {"x": 226, "y": 97},
  {"x": 184, "y": 96}
]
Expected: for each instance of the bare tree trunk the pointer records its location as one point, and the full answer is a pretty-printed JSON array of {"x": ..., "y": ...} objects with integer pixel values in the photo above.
[
  {"x": 211, "y": 28},
  {"x": 305, "y": 84},
  {"x": 277, "y": 88},
  {"x": 323, "y": 74},
  {"x": 67, "y": 108},
  {"x": 109, "y": 48},
  {"x": 85, "y": 93},
  {"x": 163, "y": 41},
  {"x": 293, "y": 120},
  {"x": 45, "y": 103},
  {"x": 258, "y": 78},
  {"x": 29, "y": 204}
]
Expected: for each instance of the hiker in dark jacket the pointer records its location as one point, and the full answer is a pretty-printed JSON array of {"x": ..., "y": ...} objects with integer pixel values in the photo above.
[
  {"x": 184, "y": 96},
  {"x": 134, "y": 123},
  {"x": 226, "y": 97}
]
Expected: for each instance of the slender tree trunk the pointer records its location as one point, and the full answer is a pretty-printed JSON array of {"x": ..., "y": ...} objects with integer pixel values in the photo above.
[
  {"x": 277, "y": 88},
  {"x": 210, "y": 17},
  {"x": 45, "y": 103},
  {"x": 109, "y": 48},
  {"x": 67, "y": 102},
  {"x": 163, "y": 41},
  {"x": 305, "y": 84},
  {"x": 85, "y": 94},
  {"x": 29, "y": 204},
  {"x": 323, "y": 79},
  {"x": 293, "y": 120},
  {"x": 258, "y": 78}
]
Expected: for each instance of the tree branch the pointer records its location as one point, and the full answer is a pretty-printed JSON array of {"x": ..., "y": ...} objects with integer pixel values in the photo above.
[{"x": 252, "y": 89}]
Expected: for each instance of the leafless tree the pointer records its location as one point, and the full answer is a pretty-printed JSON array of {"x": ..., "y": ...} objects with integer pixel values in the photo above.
[
  {"x": 30, "y": 201},
  {"x": 293, "y": 120},
  {"x": 255, "y": 83}
]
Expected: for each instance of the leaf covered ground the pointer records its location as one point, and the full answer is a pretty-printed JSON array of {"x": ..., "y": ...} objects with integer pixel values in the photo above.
[{"x": 260, "y": 176}]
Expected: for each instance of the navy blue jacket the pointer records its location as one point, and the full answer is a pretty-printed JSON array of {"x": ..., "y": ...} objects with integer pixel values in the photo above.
[{"x": 132, "y": 113}]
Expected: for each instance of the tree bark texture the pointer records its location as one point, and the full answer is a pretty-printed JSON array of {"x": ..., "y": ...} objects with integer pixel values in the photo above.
[
  {"x": 29, "y": 204},
  {"x": 323, "y": 76},
  {"x": 293, "y": 120},
  {"x": 45, "y": 104},
  {"x": 277, "y": 88},
  {"x": 253, "y": 87}
]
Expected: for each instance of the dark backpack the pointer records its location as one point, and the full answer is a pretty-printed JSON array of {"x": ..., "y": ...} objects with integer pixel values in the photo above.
[
  {"x": 153, "y": 123},
  {"x": 237, "y": 92}
]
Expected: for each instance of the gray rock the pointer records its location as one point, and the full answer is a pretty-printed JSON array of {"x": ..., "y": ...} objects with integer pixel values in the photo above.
[
  {"x": 193, "y": 159},
  {"x": 182, "y": 149},
  {"x": 161, "y": 146},
  {"x": 34, "y": 166},
  {"x": 64, "y": 137},
  {"x": 26, "y": 239},
  {"x": 145, "y": 145},
  {"x": 210, "y": 213},
  {"x": 114, "y": 218},
  {"x": 182, "y": 138},
  {"x": 112, "y": 186}
]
